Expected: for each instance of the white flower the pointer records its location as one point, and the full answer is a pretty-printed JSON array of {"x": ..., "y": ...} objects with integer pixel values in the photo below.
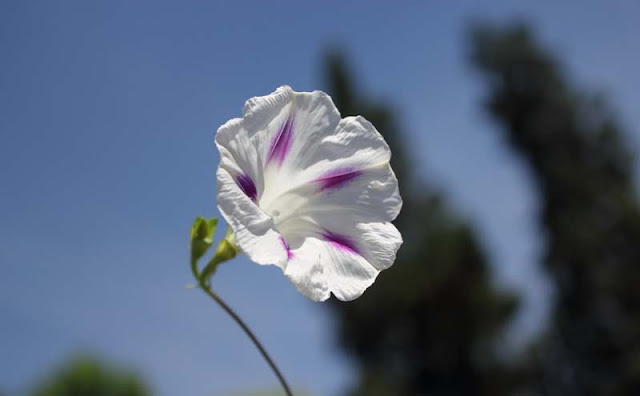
[{"x": 309, "y": 192}]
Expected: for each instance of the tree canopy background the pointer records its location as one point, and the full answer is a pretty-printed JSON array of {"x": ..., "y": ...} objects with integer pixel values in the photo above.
[
  {"x": 88, "y": 376},
  {"x": 430, "y": 323},
  {"x": 433, "y": 323}
]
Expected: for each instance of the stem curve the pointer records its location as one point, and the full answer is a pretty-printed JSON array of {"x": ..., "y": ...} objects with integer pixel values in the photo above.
[{"x": 207, "y": 289}]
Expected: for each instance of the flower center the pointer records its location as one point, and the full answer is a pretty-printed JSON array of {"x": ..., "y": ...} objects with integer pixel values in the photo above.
[
  {"x": 285, "y": 199},
  {"x": 284, "y": 208}
]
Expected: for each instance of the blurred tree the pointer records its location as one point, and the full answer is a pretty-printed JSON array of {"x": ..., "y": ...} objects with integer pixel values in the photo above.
[
  {"x": 429, "y": 323},
  {"x": 582, "y": 166},
  {"x": 86, "y": 376}
]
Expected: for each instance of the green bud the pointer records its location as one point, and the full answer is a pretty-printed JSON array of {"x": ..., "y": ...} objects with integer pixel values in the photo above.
[{"x": 226, "y": 250}]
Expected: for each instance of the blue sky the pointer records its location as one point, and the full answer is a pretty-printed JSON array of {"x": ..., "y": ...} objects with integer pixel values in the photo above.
[{"x": 107, "y": 115}]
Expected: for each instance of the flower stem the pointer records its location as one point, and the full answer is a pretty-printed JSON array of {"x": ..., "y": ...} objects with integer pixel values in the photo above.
[{"x": 207, "y": 289}]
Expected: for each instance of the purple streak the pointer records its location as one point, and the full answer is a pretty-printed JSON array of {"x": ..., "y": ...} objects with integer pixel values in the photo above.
[
  {"x": 337, "y": 178},
  {"x": 286, "y": 246},
  {"x": 281, "y": 143},
  {"x": 247, "y": 186},
  {"x": 340, "y": 241}
]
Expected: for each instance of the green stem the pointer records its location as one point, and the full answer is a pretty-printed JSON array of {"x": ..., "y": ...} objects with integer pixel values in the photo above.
[{"x": 207, "y": 289}]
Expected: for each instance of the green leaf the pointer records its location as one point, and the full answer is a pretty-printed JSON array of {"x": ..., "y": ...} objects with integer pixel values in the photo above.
[{"x": 202, "y": 237}]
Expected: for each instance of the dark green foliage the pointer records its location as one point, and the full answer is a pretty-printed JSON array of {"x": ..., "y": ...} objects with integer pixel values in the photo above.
[
  {"x": 582, "y": 167},
  {"x": 85, "y": 376},
  {"x": 428, "y": 324}
]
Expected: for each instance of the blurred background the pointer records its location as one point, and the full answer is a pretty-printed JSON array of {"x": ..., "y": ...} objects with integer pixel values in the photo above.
[{"x": 513, "y": 127}]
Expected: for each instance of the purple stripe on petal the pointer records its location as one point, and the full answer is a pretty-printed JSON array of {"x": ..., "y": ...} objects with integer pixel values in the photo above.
[
  {"x": 247, "y": 186},
  {"x": 281, "y": 143},
  {"x": 341, "y": 242},
  {"x": 337, "y": 178},
  {"x": 286, "y": 246}
]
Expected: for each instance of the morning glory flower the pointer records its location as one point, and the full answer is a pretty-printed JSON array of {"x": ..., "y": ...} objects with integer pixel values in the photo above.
[{"x": 310, "y": 192}]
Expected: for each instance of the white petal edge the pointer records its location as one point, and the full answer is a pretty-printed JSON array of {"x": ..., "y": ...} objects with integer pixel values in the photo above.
[
  {"x": 306, "y": 273},
  {"x": 259, "y": 111},
  {"x": 318, "y": 268},
  {"x": 244, "y": 143},
  {"x": 355, "y": 143},
  {"x": 378, "y": 242},
  {"x": 238, "y": 152},
  {"x": 315, "y": 117},
  {"x": 255, "y": 232},
  {"x": 373, "y": 195}
]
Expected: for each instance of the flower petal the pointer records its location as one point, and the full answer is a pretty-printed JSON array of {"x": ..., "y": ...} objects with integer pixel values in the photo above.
[
  {"x": 243, "y": 143},
  {"x": 305, "y": 270},
  {"x": 351, "y": 171},
  {"x": 255, "y": 232},
  {"x": 260, "y": 111},
  {"x": 281, "y": 129},
  {"x": 320, "y": 266},
  {"x": 371, "y": 193},
  {"x": 376, "y": 241},
  {"x": 239, "y": 157},
  {"x": 288, "y": 125},
  {"x": 360, "y": 182},
  {"x": 355, "y": 143}
]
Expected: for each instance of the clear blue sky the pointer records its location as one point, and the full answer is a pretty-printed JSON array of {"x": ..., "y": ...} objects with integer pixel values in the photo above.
[{"x": 107, "y": 115}]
